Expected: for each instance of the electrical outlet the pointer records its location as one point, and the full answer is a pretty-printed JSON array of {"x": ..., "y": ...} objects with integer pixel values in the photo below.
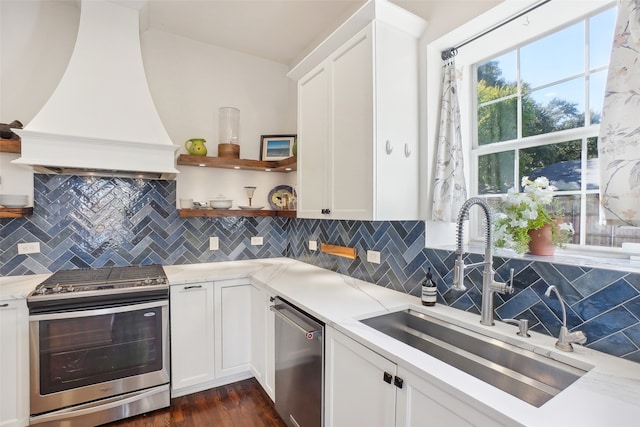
[
  {"x": 29, "y": 248},
  {"x": 256, "y": 241},
  {"x": 373, "y": 257},
  {"x": 214, "y": 243},
  {"x": 313, "y": 245}
]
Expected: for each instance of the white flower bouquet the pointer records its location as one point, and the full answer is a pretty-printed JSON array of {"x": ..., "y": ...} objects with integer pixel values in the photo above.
[{"x": 529, "y": 210}]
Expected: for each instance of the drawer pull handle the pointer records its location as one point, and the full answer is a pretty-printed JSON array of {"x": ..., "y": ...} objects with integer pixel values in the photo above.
[
  {"x": 193, "y": 287},
  {"x": 387, "y": 377},
  {"x": 398, "y": 382},
  {"x": 4, "y": 305}
]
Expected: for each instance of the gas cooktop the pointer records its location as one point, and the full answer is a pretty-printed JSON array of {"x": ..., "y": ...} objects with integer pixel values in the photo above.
[{"x": 101, "y": 283}]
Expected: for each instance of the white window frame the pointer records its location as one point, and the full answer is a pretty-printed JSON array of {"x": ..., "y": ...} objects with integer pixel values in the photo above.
[{"x": 544, "y": 20}]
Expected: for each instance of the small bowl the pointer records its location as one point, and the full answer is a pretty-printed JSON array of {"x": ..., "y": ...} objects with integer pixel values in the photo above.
[
  {"x": 14, "y": 200},
  {"x": 220, "y": 203},
  {"x": 186, "y": 203},
  {"x": 200, "y": 205}
]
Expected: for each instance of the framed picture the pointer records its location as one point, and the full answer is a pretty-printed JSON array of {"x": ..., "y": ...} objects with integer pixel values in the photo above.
[{"x": 276, "y": 147}]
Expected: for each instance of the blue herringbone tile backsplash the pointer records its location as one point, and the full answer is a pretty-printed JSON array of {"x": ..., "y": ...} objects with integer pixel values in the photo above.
[
  {"x": 95, "y": 222},
  {"x": 84, "y": 222},
  {"x": 605, "y": 304}
]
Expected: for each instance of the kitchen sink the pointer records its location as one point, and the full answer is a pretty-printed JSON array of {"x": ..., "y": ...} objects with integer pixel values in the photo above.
[{"x": 528, "y": 376}]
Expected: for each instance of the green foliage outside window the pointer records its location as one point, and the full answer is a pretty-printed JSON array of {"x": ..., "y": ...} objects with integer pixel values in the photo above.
[{"x": 498, "y": 121}]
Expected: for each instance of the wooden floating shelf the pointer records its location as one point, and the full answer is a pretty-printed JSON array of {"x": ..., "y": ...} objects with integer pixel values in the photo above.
[
  {"x": 217, "y": 213},
  {"x": 15, "y": 212},
  {"x": 286, "y": 165},
  {"x": 10, "y": 146}
]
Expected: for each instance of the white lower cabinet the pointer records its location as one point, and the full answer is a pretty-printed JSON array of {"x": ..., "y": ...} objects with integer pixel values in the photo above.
[
  {"x": 420, "y": 403},
  {"x": 192, "y": 335},
  {"x": 263, "y": 340},
  {"x": 210, "y": 334},
  {"x": 232, "y": 308},
  {"x": 364, "y": 388},
  {"x": 14, "y": 363},
  {"x": 355, "y": 392}
]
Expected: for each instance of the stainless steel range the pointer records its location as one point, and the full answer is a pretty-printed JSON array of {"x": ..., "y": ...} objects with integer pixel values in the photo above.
[{"x": 99, "y": 345}]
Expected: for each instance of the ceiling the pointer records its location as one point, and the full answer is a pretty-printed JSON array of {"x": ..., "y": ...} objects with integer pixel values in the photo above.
[{"x": 284, "y": 30}]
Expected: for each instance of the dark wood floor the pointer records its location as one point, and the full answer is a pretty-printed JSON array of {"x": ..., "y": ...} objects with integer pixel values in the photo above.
[{"x": 242, "y": 404}]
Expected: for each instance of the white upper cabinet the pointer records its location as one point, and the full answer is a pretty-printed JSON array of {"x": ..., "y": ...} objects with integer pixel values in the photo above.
[
  {"x": 351, "y": 152},
  {"x": 313, "y": 123},
  {"x": 358, "y": 119}
]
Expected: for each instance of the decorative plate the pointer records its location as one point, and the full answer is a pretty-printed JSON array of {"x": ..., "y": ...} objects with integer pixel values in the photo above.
[
  {"x": 251, "y": 208},
  {"x": 276, "y": 196}
]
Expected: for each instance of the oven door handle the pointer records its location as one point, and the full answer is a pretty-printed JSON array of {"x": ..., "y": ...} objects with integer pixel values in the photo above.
[
  {"x": 310, "y": 334},
  {"x": 97, "y": 311}
]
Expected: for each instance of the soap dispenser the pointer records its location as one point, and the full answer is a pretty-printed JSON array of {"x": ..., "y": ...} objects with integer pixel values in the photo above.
[{"x": 429, "y": 290}]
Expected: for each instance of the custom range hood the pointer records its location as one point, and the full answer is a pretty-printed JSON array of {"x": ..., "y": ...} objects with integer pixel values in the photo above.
[{"x": 101, "y": 119}]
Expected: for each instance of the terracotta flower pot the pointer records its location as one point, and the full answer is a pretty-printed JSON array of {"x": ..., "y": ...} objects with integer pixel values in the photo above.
[{"x": 541, "y": 241}]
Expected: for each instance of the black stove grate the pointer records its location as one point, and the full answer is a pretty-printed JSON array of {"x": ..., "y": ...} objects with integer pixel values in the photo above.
[
  {"x": 120, "y": 274},
  {"x": 78, "y": 277},
  {"x": 104, "y": 275},
  {"x": 70, "y": 290}
]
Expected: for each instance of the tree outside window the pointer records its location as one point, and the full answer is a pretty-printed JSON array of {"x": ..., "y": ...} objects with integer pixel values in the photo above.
[{"x": 538, "y": 110}]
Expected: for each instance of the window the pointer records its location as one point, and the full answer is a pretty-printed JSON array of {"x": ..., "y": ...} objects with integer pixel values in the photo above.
[{"x": 537, "y": 112}]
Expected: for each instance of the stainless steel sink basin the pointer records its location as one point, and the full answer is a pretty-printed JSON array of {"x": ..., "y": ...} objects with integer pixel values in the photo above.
[{"x": 519, "y": 372}]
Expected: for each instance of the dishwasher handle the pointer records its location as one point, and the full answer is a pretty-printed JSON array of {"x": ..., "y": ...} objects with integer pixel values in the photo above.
[{"x": 309, "y": 334}]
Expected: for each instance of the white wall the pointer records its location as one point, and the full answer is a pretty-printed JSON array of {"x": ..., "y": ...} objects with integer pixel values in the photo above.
[
  {"x": 188, "y": 80},
  {"x": 36, "y": 41}
]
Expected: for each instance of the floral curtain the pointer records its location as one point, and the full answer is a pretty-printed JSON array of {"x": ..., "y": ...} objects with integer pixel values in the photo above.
[
  {"x": 619, "y": 139},
  {"x": 450, "y": 190}
]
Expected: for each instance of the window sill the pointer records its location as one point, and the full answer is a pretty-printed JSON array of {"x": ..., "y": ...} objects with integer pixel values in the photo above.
[{"x": 613, "y": 259}]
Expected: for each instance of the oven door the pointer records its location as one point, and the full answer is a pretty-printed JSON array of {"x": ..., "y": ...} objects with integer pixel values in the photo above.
[{"x": 81, "y": 356}]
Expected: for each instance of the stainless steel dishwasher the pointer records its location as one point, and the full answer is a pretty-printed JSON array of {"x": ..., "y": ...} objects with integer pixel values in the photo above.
[{"x": 299, "y": 365}]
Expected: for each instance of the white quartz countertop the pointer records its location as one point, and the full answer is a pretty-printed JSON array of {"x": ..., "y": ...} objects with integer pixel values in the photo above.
[
  {"x": 17, "y": 287},
  {"x": 607, "y": 395}
]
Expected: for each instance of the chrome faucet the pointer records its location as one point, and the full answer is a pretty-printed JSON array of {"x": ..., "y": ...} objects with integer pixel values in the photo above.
[
  {"x": 565, "y": 338},
  {"x": 489, "y": 285}
]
